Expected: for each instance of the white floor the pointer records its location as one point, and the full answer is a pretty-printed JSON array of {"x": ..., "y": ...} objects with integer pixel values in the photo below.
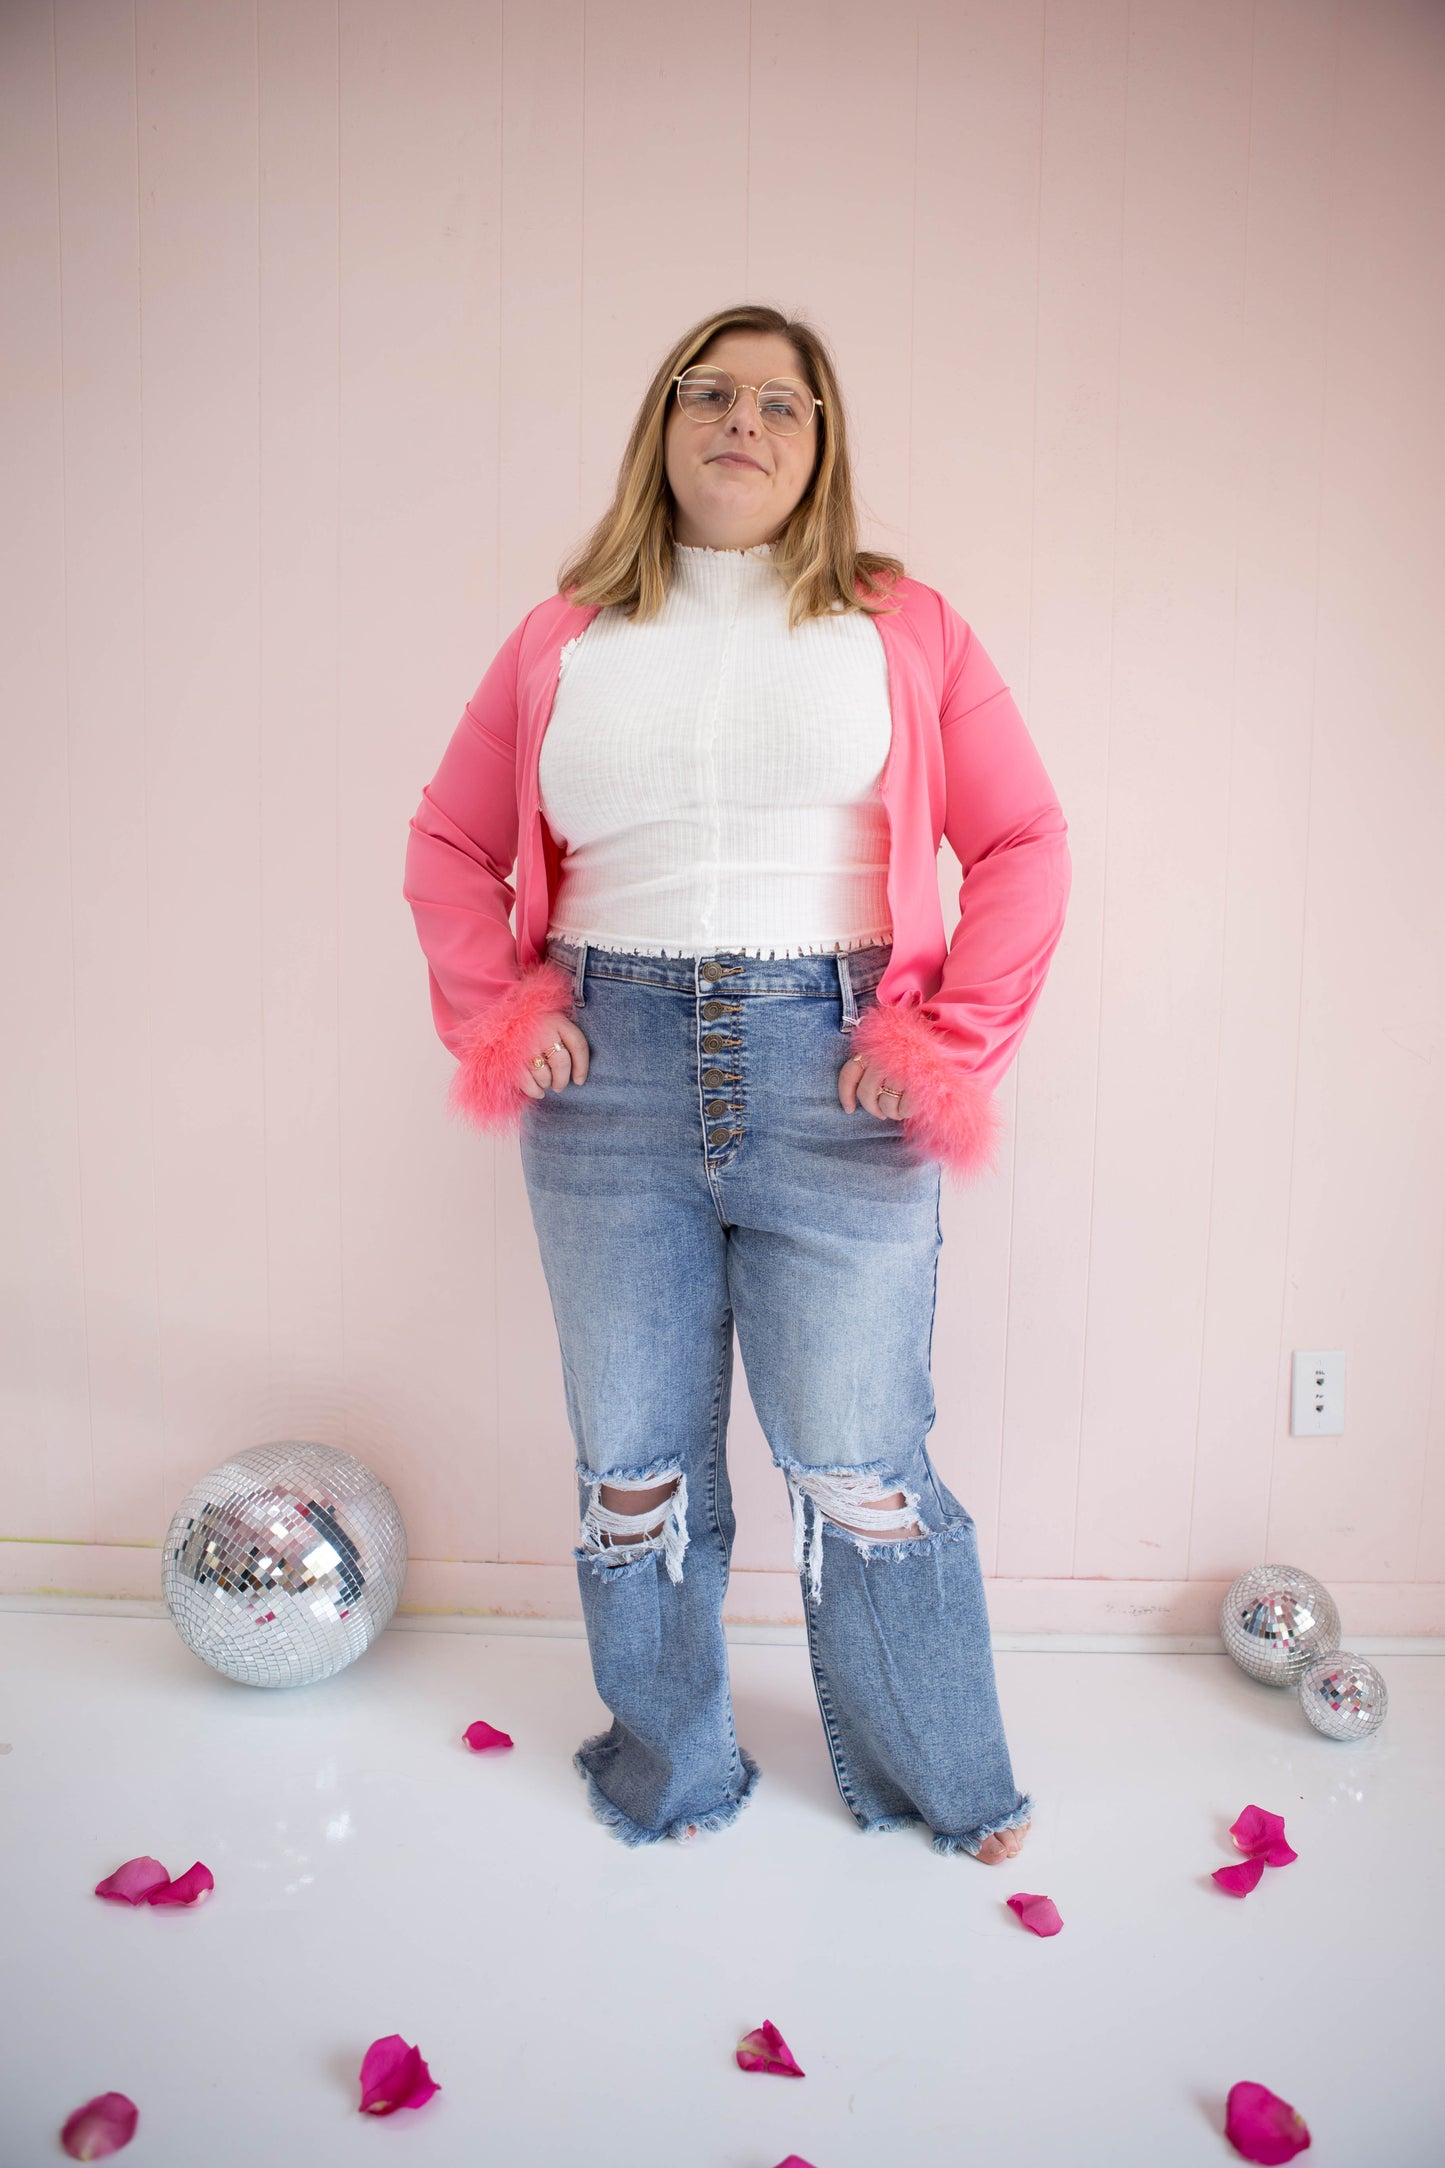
[{"x": 579, "y": 2002}]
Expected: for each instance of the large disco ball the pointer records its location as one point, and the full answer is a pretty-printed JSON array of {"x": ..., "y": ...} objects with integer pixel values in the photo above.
[
  {"x": 284, "y": 1563},
  {"x": 1343, "y": 1695},
  {"x": 1274, "y": 1619}
]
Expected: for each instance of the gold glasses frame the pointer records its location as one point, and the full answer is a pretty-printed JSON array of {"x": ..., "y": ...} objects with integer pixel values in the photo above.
[{"x": 757, "y": 391}]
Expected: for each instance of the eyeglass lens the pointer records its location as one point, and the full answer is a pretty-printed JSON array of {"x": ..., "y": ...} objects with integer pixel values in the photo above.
[{"x": 783, "y": 405}]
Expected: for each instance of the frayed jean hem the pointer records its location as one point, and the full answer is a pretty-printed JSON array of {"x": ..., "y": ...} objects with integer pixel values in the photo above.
[
  {"x": 627, "y": 1831},
  {"x": 942, "y": 1842},
  {"x": 974, "y": 1838},
  {"x": 889, "y": 1821}
]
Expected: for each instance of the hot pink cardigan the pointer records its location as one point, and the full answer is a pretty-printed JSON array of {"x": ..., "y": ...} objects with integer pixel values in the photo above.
[{"x": 949, "y": 1015}]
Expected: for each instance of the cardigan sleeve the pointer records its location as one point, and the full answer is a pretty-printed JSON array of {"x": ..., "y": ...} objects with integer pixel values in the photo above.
[
  {"x": 1007, "y": 829},
  {"x": 461, "y": 850}
]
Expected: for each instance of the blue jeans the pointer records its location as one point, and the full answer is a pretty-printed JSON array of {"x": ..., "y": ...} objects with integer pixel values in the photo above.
[{"x": 706, "y": 1175}]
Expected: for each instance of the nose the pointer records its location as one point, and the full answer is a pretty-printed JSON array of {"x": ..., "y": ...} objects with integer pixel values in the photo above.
[
  {"x": 739, "y": 423},
  {"x": 746, "y": 392}
]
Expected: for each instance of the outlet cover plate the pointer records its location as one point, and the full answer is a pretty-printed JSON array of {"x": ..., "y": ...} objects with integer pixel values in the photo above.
[{"x": 1317, "y": 1393}]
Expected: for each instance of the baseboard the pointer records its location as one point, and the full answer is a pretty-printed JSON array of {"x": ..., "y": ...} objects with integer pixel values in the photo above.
[
  {"x": 739, "y": 1633},
  {"x": 480, "y": 1595}
]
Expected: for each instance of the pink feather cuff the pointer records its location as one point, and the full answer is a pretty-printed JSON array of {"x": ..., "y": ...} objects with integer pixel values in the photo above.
[
  {"x": 496, "y": 1046},
  {"x": 952, "y": 1117}
]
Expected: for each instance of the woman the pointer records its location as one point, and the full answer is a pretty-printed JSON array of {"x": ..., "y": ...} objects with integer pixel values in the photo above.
[{"x": 721, "y": 758}]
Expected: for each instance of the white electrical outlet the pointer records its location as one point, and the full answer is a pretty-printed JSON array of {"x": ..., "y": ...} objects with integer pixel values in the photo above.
[{"x": 1317, "y": 1393}]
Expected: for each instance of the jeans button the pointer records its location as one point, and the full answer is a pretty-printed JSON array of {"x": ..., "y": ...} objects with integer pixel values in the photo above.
[
  {"x": 709, "y": 971},
  {"x": 714, "y": 1076},
  {"x": 714, "y": 1041},
  {"x": 711, "y": 1009},
  {"x": 719, "y": 1135}
]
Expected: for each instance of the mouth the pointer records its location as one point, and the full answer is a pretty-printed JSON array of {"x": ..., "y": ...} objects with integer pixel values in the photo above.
[{"x": 734, "y": 459}]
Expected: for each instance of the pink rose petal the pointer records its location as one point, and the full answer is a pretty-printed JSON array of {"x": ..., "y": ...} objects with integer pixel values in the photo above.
[
  {"x": 1039, "y": 1913},
  {"x": 1240, "y": 1880},
  {"x": 1263, "y": 2127},
  {"x": 1256, "y": 1829},
  {"x": 1259, "y": 1832},
  {"x": 132, "y": 1885},
  {"x": 766, "y": 2049},
  {"x": 394, "y": 2076},
  {"x": 480, "y": 1736},
  {"x": 187, "y": 1888},
  {"x": 795, "y": 2160},
  {"x": 102, "y": 2126}
]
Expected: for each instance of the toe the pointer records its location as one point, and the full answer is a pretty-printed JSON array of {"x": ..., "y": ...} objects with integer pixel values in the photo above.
[{"x": 1002, "y": 1845}]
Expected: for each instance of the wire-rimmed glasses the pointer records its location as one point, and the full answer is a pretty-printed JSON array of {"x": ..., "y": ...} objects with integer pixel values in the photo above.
[{"x": 706, "y": 394}]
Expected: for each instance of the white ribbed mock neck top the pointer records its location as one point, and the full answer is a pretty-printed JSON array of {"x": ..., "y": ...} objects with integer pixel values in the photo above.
[{"x": 712, "y": 778}]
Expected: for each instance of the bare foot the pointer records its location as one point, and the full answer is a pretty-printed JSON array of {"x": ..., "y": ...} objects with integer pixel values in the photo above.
[{"x": 1002, "y": 1845}]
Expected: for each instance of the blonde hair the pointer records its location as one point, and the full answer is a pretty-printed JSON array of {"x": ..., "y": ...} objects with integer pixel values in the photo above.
[{"x": 627, "y": 560}]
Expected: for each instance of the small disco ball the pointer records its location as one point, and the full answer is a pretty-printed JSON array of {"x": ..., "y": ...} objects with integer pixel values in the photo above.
[
  {"x": 284, "y": 1564},
  {"x": 1274, "y": 1619},
  {"x": 1343, "y": 1695}
]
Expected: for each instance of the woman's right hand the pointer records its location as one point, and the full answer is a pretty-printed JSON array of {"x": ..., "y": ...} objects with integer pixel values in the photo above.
[{"x": 567, "y": 1063}]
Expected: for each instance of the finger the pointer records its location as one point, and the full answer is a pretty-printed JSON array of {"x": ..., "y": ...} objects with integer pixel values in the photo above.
[
  {"x": 885, "y": 1105},
  {"x": 849, "y": 1078},
  {"x": 559, "y": 1062},
  {"x": 580, "y": 1051},
  {"x": 554, "y": 1035},
  {"x": 538, "y": 1076}
]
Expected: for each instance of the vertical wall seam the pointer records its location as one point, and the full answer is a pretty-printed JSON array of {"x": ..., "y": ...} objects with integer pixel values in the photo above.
[
  {"x": 68, "y": 708},
  {"x": 1104, "y": 845},
  {"x": 1303, "y": 919},
  {"x": 1228, "y": 826},
  {"x": 261, "y": 724},
  {"x": 164, "y": 1502},
  {"x": 336, "y": 750}
]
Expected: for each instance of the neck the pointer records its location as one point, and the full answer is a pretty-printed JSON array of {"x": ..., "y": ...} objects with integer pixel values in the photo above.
[{"x": 689, "y": 537}]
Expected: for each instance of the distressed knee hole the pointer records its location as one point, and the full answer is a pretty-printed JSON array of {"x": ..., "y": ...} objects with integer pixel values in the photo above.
[
  {"x": 884, "y": 1521},
  {"x": 856, "y": 1501},
  {"x": 629, "y": 1509},
  {"x": 627, "y": 1520}
]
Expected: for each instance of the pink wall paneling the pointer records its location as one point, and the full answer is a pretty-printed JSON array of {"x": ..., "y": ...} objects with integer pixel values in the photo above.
[{"x": 326, "y": 327}]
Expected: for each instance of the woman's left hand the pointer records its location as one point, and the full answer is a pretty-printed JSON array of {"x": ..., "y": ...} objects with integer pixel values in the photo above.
[{"x": 858, "y": 1086}]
